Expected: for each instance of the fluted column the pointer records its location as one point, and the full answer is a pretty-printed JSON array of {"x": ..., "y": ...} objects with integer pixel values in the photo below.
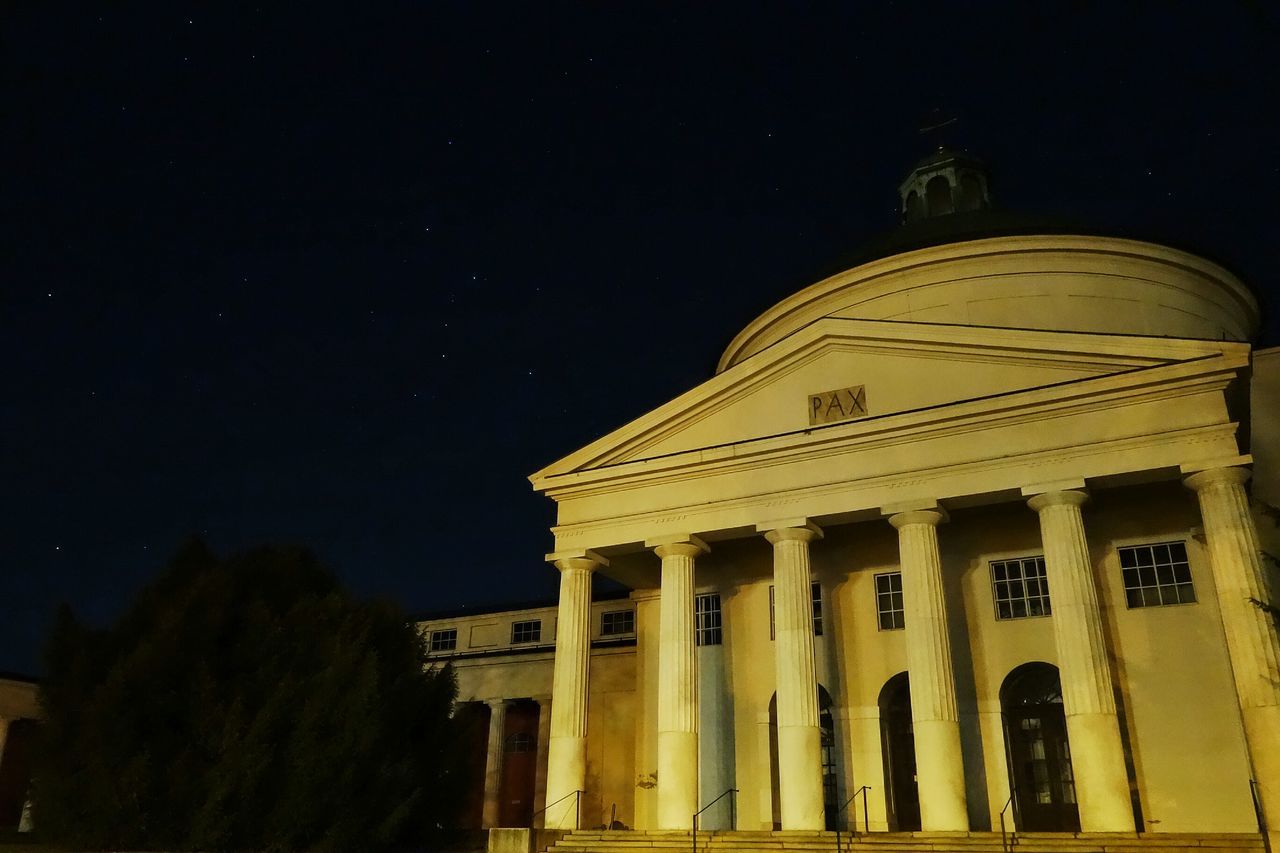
[
  {"x": 677, "y": 686},
  {"x": 493, "y": 762},
  {"x": 567, "y": 752},
  {"x": 799, "y": 738},
  {"x": 1088, "y": 697},
  {"x": 935, "y": 719},
  {"x": 1252, "y": 639}
]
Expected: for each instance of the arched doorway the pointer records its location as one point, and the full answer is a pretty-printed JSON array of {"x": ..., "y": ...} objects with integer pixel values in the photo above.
[
  {"x": 519, "y": 764},
  {"x": 898, "y": 749},
  {"x": 1035, "y": 729},
  {"x": 830, "y": 771}
]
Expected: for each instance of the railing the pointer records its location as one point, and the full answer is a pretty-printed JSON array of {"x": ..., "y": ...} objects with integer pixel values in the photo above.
[
  {"x": 733, "y": 813},
  {"x": 866, "y": 821},
  {"x": 577, "y": 808},
  {"x": 1005, "y": 843},
  {"x": 1262, "y": 821}
]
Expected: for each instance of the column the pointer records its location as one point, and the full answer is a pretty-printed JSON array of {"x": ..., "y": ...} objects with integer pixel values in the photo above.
[
  {"x": 1088, "y": 697},
  {"x": 799, "y": 738},
  {"x": 677, "y": 685},
  {"x": 540, "y": 770},
  {"x": 567, "y": 751},
  {"x": 1252, "y": 639},
  {"x": 493, "y": 762},
  {"x": 935, "y": 720}
]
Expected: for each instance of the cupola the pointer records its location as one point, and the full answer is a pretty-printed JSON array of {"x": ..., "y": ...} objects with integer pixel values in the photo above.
[{"x": 943, "y": 183}]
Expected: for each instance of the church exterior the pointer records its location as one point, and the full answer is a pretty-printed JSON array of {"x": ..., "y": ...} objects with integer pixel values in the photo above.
[{"x": 965, "y": 531}]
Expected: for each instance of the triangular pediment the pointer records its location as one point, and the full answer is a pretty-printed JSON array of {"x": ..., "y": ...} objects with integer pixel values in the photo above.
[{"x": 838, "y": 371}]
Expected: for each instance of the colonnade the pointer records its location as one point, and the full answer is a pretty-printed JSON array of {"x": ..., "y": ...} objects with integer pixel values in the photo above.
[{"x": 1087, "y": 681}]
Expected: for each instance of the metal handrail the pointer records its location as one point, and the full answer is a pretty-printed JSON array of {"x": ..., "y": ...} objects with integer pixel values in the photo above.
[
  {"x": 866, "y": 821},
  {"x": 733, "y": 814},
  {"x": 577, "y": 807},
  {"x": 1004, "y": 836},
  {"x": 1257, "y": 810}
]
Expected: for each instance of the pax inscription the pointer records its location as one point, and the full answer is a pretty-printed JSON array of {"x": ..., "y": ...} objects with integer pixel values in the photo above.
[{"x": 842, "y": 404}]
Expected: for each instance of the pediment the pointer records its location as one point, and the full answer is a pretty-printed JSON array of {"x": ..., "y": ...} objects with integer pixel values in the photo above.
[{"x": 837, "y": 371}]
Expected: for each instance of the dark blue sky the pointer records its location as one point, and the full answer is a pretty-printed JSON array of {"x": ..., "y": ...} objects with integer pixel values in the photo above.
[{"x": 346, "y": 275}]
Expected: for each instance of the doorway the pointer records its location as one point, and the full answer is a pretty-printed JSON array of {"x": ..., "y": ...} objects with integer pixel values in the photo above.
[
  {"x": 519, "y": 764},
  {"x": 898, "y": 749},
  {"x": 1035, "y": 728},
  {"x": 830, "y": 770}
]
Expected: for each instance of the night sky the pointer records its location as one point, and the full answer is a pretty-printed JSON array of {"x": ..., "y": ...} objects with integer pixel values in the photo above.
[{"x": 347, "y": 275}]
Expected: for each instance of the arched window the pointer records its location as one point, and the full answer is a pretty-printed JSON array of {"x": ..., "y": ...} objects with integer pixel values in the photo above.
[
  {"x": 520, "y": 742},
  {"x": 911, "y": 212},
  {"x": 970, "y": 192},
  {"x": 938, "y": 193}
]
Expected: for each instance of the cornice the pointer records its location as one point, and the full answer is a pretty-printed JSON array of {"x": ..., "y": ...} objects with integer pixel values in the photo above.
[
  {"x": 1051, "y": 401},
  {"x": 1105, "y": 353}
]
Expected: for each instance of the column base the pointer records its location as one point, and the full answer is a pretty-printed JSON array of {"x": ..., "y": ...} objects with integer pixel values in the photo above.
[
  {"x": 566, "y": 768},
  {"x": 677, "y": 779},
  {"x": 940, "y": 776},
  {"x": 1262, "y": 731},
  {"x": 800, "y": 777},
  {"x": 1102, "y": 783}
]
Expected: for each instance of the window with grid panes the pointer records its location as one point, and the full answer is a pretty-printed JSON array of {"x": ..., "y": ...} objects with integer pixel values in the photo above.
[
  {"x": 815, "y": 594},
  {"x": 444, "y": 641},
  {"x": 526, "y": 632},
  {"x": 617, "y": 622},
  {"x": 1021, "y": 588},
  {"x": 709, "y": 629},
  {"x": 1156, "y": 575},
  {"x": 889, "y": 601}
]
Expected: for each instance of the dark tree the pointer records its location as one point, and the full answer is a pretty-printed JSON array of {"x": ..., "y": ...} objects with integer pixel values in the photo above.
[{"x": 246, "y": 703}]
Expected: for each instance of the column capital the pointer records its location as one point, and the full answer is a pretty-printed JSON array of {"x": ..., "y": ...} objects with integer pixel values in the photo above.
[
  {"x": 1231, "y": 476},
  {"x": 931, "y": 517},
  {"x": 582, "y": 560},
  {"x": 677, "y": 545},
  {"x": 1066, "y": 497},
  {"x": 797, "y": 529},
  {"x": 496, "y": 703}
]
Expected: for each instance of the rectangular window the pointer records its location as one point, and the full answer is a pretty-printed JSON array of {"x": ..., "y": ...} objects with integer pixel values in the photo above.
[
  {"x": 617, "y": 622},
  {"x": 1156, "y": 575},
  {"x": 707, "y": 619},
  {"x": 1021, "y": 588},
  {"x": 815, "y": 594},
  {"x": 444, "y": 641},
  {"x": 526, "y": 632},
  {"x": 815, "y": 591},
  {"x": 889, "y": 601}
]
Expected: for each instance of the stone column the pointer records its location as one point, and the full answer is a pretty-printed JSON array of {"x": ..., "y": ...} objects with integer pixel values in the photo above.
[
  {"x": 493, "y": 762},
  {"x": 1252, "y": 638},
  {"x": 935, "y": 720},
  {"x": 1088, "y": 697},
  {"x": 677, "y": 685},
  {"x": 799, "y": 738},
  {"x": 567, "y": 751},
  {"x": 540, "y": 770}
]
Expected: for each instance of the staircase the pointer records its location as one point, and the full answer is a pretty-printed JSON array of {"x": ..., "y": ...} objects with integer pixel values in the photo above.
[{"x": 742, "y": 841}]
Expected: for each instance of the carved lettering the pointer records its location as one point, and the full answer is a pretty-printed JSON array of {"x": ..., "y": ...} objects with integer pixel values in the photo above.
[{"x": 842, "y": 404}]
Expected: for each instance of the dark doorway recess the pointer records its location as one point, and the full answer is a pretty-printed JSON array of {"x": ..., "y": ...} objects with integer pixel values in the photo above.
[
  {"x": 830, "y": 770},
  {"x": 1035, "y": 729},
  {"x": 519, "y": 764},
  {"x": 473, "y": 730},
  {"x": 898, "y": 748}
]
